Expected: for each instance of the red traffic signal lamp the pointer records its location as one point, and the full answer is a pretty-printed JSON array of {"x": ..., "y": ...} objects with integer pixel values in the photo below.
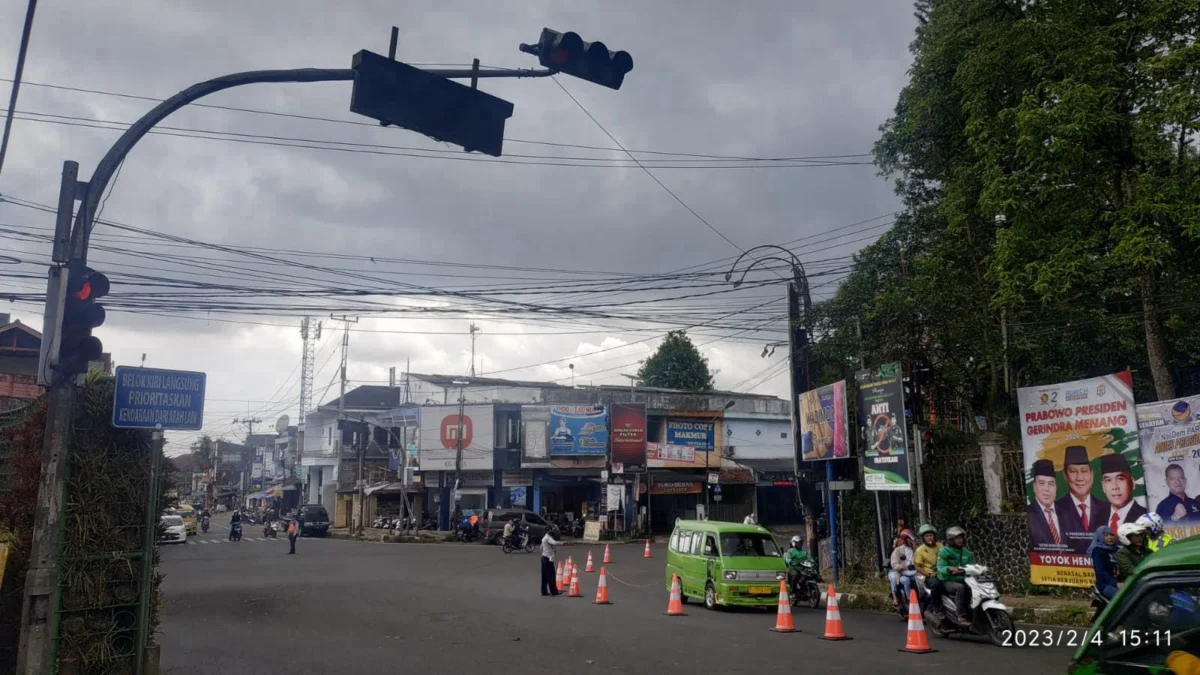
[
  {"x": 81, "y": 313},
  {"x": 591, "y": 61}
]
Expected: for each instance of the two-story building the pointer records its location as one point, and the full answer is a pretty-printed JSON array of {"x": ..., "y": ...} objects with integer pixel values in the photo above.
[{"x": 20, "y": 354}]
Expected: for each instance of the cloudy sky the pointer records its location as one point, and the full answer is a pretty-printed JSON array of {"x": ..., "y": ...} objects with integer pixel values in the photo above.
[{"x": 753, "y": 116}]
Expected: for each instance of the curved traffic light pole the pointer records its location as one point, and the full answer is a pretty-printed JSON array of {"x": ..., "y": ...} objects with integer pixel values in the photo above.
[
  {"x": 85, "y": 218},
  {"x": 39, "y": 612}
]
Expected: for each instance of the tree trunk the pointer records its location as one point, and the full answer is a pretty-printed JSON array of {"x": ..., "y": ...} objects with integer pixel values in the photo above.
[{"x": 1156, "y": 346}]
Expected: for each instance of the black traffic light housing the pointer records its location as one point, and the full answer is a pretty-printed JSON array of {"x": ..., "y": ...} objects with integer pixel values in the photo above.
[
  {"x": 81, "y": 313},
  {"x": 591, "y": 61}
]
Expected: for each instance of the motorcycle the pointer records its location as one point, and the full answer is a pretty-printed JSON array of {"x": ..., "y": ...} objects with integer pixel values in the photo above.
[
  {"x": 271, "y": 529},
  {"x": 204, "y": 524},
  {"x": 806, "y": 589},
  {"x": 989, "y": 616},
  {"x": 1099, "y": 602},
  {"x": 901, "y": 605},
  {"x": 523, "y": 538},
  {"x": 467, "y": 533},
  {"x": 235, "y": 532}
]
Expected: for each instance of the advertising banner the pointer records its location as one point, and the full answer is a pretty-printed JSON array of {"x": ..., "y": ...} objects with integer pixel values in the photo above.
[
  {"x": 440, "y": 426},
  {"x": 699, "y": 435},
  {"x": 824, "y": 431},
  {"x": 882, "y": 428},
  {"x": 1080, "y": 442},
  {"x": 1169, "y": 435},
  {"x": 628, "y": 421},
  {"x": 578, "y": 430}
]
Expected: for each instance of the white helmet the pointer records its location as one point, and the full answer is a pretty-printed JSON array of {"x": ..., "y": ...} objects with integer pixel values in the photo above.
[
  {"x": 1127, "y": 529},
  {"x": 796, "y": 541},
  {"x": 1153, "y": 524}
]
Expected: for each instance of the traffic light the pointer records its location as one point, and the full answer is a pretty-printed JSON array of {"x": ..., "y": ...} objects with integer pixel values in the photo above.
[
  {"x": 591, "y": 61},
  {"x": 81, "y": 313}
]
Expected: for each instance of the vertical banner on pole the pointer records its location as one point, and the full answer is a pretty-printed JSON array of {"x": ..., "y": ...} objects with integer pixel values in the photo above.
[{"x": 882, "y": 428}]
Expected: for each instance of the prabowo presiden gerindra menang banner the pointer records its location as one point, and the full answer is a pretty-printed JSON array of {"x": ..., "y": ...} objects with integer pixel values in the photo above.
[{"x": 1082, "y": 471}]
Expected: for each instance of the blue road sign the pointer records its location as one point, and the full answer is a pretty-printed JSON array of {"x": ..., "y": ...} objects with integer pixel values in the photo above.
[{"x": 145, "y": 398}]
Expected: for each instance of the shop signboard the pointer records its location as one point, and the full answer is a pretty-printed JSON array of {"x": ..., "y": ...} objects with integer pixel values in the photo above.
[
  {"x": 677, "y": 487},
  {"x": 824, "y": 433},
  {"x": 578, "y": 430},
  {"x": 516, "y": 478},
  {"x": 881, "y": 423},
  {"x": 628, "y": 422},
  {"x": 1169, "y": 436},
  {"x": 1083, "y": 470},
  {"x": 440, "y": 428},
  {"x": 695, "y": 434}
]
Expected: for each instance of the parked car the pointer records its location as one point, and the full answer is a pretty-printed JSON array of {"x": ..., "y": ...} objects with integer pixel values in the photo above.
[
  {"x": 314, "y": 520},
  {"x": 494, "y": 520},
  {"x": 191, "y": 520},
  {"x": 1156, "y": 612},
  {"x": 174, "y": 531},
  {"x": 724, "y": 564}
]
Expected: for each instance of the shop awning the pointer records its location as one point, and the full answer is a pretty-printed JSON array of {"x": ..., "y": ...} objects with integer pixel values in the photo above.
[
  {"x": 386, "y": 488},
  {"x": 772, "y": 465}
]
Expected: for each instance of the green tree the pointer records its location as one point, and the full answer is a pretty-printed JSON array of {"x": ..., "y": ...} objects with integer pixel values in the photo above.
[{"x": 676, "y": 364}]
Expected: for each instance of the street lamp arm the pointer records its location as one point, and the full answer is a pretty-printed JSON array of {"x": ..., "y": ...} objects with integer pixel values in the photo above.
[
  {"x": 794, "y": 260},
  {"x": 797, "y": 271}
]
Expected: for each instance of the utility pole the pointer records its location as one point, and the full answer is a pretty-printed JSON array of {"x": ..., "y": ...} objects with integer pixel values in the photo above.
[
  {"x": 475, "y": 331},
  {"x": 346, "y": 321},
  {"x": 458, "y": 455}
]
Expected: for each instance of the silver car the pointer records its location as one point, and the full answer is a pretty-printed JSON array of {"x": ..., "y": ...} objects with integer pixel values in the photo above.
[{"x": 174, "y": 531}]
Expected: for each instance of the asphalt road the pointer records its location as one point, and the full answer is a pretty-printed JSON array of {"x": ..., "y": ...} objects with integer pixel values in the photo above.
[{"x": 355, "y": 607}]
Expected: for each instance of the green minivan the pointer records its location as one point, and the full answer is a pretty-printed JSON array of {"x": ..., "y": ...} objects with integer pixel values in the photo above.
[
  {"x": 725, "y": 564},
  {"x": 1156, "y": 612}
]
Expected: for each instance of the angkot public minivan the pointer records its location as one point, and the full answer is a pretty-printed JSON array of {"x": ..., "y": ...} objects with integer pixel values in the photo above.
[
  {"x": 725, "y": 564},
  {"x": 1155, "y": 615}
]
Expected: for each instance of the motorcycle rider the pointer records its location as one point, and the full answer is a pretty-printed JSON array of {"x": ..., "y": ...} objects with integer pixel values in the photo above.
[
  {"x": 1156, "y": 537},
  {"x": 925, "y": 559},
  {"x": 903, "y": 571},
  {"x": 951, "y": 570},
  {"x": 793, "y": 558},
  {"x": 510, "y": 531},
  {"x": 1133, "y": 549},
  {"x": 235, "y": 522},
  {"x": 1103, "y": 550}
]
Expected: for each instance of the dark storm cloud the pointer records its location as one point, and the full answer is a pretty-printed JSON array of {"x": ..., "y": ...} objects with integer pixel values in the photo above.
[{"x": 766, "y": 78}]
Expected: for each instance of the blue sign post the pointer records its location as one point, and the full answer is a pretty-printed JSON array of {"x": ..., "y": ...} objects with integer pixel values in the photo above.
[{"x": 149, "y": 398}]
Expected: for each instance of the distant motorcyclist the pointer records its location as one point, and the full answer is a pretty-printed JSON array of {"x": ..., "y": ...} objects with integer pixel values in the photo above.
[
  {"x": 794, "y": 558},
  {"x": 925, "y": 559},
  {"x": 1133, "y": 549},
  {"x": 1156, "y": 537},
  {"x": 951, "y": 570},
  {"x": 904, "y": 571},
  {"x": 1103, "y": 550}
]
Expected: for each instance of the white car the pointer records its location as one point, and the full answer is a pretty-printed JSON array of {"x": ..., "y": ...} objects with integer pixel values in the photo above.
[{"x": 174, "y": 531}]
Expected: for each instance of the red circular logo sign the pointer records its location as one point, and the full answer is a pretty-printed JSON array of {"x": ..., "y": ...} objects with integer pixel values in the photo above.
[{"x": 450, "y": 431}]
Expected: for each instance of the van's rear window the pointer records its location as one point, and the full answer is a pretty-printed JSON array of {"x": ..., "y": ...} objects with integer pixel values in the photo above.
[{"x": 748, "y": 545}]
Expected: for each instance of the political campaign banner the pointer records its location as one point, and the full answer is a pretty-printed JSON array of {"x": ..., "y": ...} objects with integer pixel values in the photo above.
[
  {"x": 824, "y": 432},
  {"x": 882, "y": 428},
  {"x": 578, "y": 430},
  {"x": 1169, "y": 435},
  {"x": 1083, "y": 470}
]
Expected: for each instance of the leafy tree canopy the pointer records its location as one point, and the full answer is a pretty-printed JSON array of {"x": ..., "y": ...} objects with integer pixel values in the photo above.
[{"x": 677, "y": 364}]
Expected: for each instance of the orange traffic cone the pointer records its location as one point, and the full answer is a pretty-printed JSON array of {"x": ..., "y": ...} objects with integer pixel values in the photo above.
[
  {"x": 675, "y": 603},
  {"x": 589, "y": 569},
  {"x": 783, "y": 618},
  {"x": 647, "y": 554},
  {"x": 607, "y": 555},
  {"x": 833, "y": 619},
  {"x": 918, "y": 641},
  {"x": 602, "y": 589},
  {"x": 558, "y": 577},
  {"x": 575, "y": 593}
]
